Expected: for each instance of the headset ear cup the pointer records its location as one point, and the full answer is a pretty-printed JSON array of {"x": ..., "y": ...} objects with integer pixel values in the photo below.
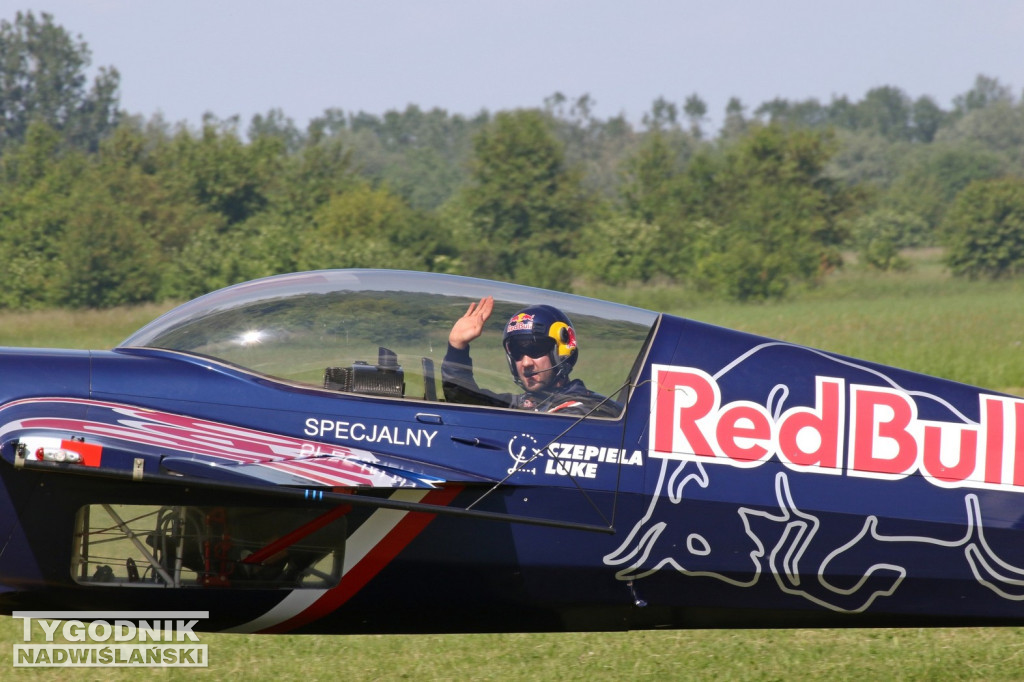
[{"x": 564, "y": 338}]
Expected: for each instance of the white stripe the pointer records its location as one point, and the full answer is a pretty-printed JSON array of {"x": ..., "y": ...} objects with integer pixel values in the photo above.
[
  {"x": 357, "y": 546},
  {"x": 369, "y": 535},
  {"x": 295, "y": 603}
]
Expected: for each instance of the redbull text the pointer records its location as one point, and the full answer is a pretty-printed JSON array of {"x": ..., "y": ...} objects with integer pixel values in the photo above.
[{"x": 880, "y": 435}]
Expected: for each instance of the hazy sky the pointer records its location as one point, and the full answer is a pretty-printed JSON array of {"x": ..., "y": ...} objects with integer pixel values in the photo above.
[{"x": 186, "y": 57}]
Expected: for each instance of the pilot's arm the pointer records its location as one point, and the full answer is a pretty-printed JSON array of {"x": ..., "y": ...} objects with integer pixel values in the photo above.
[{"x": 457, "y": 368}]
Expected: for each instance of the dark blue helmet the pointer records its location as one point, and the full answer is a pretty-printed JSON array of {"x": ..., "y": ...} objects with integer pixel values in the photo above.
[{"x": 538, "y": 331}]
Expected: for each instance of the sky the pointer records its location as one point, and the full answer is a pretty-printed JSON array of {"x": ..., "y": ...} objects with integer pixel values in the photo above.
[{"x": 184, "y": 58}]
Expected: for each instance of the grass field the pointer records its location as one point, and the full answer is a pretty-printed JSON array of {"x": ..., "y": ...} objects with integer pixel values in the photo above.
[
  {"x": 967, "y": 331},
  {"x": 874, "y": 654}
]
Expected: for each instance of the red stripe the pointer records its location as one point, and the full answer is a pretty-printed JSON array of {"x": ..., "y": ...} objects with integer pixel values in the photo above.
[
  {"x": 390, "y": 546},
  {"x": 199, "y": 436},
  {"x": 299, "y": 533}
]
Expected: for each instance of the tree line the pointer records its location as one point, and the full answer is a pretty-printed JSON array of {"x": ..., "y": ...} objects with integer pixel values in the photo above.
[{"x": 100, "y": 207}]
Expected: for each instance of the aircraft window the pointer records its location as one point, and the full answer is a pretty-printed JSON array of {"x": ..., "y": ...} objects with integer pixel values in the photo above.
[
  {"x": 386, "y": 333},
  {"x": 186, "y": 546}
]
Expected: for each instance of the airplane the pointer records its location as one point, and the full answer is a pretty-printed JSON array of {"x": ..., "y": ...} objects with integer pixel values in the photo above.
[{"x": 286, "y": 454}]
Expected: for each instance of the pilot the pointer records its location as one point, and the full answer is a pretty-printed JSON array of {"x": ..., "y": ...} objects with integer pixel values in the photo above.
[{"x": 540, "y": 346}]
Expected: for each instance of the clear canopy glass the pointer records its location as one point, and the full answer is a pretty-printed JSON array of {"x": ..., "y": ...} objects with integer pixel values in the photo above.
[{"x": 300, "y": 327}]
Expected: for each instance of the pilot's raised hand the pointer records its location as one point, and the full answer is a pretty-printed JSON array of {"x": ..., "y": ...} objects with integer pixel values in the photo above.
[{"x": 471, "y": 325}]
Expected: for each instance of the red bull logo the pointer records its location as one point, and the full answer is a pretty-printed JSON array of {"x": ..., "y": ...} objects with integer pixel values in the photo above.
[
  {"x": 520, "y": 322},
  {"x": 878, "y": 435}
]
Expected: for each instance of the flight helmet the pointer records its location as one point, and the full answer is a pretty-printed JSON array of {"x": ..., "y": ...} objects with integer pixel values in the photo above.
[{"x": 538, "y": 331}]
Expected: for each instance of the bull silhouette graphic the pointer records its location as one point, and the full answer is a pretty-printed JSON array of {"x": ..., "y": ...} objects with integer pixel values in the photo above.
[{"x": 783, "y": 541}]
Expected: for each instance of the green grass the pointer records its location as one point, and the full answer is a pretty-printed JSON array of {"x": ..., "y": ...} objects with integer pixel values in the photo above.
[
  {"x": 89, "y": 329},
  {"x": 975, "y": 335},
  {"x": 921, "y": 320},
  {"x": 872, "y": 654}
]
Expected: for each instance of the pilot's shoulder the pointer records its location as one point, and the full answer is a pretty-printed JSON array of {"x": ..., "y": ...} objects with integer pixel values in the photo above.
[{"x": 578, "y": 400}]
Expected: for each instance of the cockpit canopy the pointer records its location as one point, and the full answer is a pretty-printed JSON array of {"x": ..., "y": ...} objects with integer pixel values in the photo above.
[{"x": 381, "y": 332}]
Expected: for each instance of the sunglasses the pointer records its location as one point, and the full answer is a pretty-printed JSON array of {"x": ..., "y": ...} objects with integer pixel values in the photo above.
[{"x": 535, "y": 348}]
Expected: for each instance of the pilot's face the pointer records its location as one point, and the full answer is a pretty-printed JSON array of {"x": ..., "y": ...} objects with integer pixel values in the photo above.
[
  {"x": 526, "y": 366},
  {"x": 532, "y": 360}
]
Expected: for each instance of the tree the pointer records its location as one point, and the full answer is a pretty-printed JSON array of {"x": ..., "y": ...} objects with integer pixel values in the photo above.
[
  {"x": 368, "y": 227},
  {"x": 38, "y": 179},
  {"x": 696, "y": 110},
  {"x": 931, "y": 176},
  {"x": 735, "y": 122},
  {"x": 866, "y": 158},
  {"x": 524, "y": 206},
  {"x": 262, "y": 245},
  {"x": 664, "y": 114},
  {"x": 598, "y": 147},
  {"x": 222, "y": 173},
  {"x": 106, "y": 257},
  {"x": 886, "y": 110},
  {"x": 620, "y": 249},
  {"x": 765, "y": 215},
  {"x": 42, "y": 78},
  {"x": 985, "y": 229},
  {"x": 997, "y": 128},
  {"x": 986, "y": 92},
  {"x": 276, "y": 124},
  {"x": 879, "y": 235},
  {"x": 928, "y": 118},
  {"x": 421, "y": 155},
  {"x": 648, "y": 178},
  {"x": 809, "y": 113}
]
